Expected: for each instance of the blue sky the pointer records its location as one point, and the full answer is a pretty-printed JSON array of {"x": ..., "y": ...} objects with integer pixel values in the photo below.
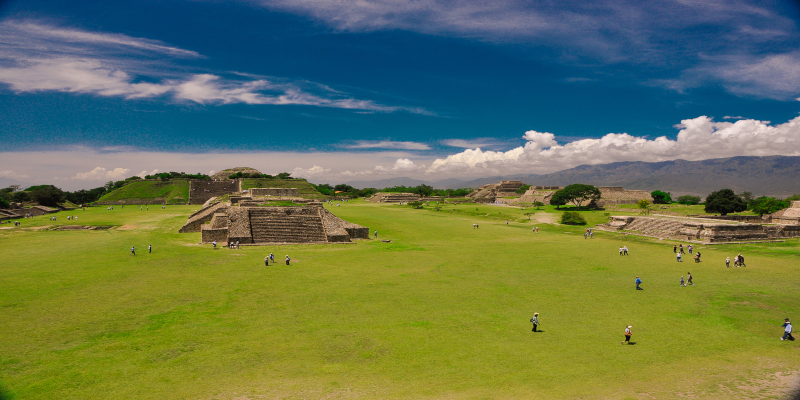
[{"x": 342, "y": 91}]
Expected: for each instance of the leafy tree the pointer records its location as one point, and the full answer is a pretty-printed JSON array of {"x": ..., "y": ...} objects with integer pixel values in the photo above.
[
  {"x": 20, "y": 197},
  {"x": 538, "y": 204},
  {"x": 415, "y": 204},
  {"x": 523, "y": 189},
  {"x": 767, "y": 205},
  {"x": 424, "y": 190},
  {"x": 724, "y": 201},
  {"x": 343, "y": 188},
  {"x": 660, "y": 197},
  {"x": 572, "y": 218},
  {"x": 47, "y": 195},
  {"x": 15, "y": 188},
  {"x": 4, "y": 203},
  {"x": 324, "y": 188},
  {"x": 558, "y": 199},
  {"x": 794, "y": 197},
  {"x": 689, "y": 200},
  {"x": 576, "y": 194},
  {"x": 529, "y": 213},
  {"x": 747, "y": 197},
  {"x": 644, "y": 205},
  {"x": 285, "y": 175}
]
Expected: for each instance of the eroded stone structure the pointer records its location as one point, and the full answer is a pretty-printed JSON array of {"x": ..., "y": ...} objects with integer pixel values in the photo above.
[
  {"x": 615, "y": 195},
  {"x": 490, "y": 192},
  {"x": 282, "y": 192},
  {"x": 787, "y": 216},
  {"x": 698, "y": 229},
  {"x": 390, "y": 197},
  {"x": 201, "y": 191},
  {"x": 224, "y": 223}
]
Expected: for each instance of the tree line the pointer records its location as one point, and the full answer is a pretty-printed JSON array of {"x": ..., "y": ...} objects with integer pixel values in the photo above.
[{"x": 345, "y": 190}]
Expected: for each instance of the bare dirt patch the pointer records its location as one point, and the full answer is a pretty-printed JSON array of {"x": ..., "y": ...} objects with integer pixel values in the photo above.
[{"x": 127, "y": 227}]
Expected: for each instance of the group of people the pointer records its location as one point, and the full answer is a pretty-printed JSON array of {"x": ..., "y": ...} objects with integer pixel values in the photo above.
[
  {"x": 689, "y": 278},
  {"x": 738, "y": 261},
  {"x": 623, "y": 250},
  {"x": 271, "y": 259},
  {"x": 149, "y": 249},
  {"x": 588, "y": 234}
]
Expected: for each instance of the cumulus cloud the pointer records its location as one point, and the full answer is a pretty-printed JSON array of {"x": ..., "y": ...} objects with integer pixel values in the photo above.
[
  {"x": 38, "y": 57},
  {"x": 102, "y": 173},
  {"x": 153, "y": 172},
  {"x": 316, "y": 170},
  {"x": 401, "y": 165},
  {"x": 387, "y": 144},
  {"x": 698, "y": 139},
  {"x": 7, "y": 173}
]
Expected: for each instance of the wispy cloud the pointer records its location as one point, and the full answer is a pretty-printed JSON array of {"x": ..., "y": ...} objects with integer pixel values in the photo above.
[
  {"x": 387, "y": 144},
  {"x": 100, "y": 173},
  {"x": 470, "y": 144},
  {"x": 7, "y": 173},
  {"x": 39, "y": 57}
]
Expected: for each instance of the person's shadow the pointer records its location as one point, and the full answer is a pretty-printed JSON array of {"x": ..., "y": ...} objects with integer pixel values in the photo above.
[{"x": 631, "y": 343}]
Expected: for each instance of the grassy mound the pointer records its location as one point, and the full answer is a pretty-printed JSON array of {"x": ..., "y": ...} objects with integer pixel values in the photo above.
[
  {"x": 306, "y": 190},
  {"x": 149, "y": 192}
]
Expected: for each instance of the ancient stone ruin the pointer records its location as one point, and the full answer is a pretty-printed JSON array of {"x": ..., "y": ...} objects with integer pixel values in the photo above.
[
  {"x": 201, "y": 191},
  {"x": 18, "y": 211},
  {"x": 254, "y": 222},
  {"x": 389, "y": 197},
  {"x": 700, "y": 230},
  {"x": 491, "y": 192},
  {"x": 787, "y": 216}
]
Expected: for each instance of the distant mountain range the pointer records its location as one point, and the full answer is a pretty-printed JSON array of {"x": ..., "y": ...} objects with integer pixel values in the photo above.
[{"x": 769, "y": 175}]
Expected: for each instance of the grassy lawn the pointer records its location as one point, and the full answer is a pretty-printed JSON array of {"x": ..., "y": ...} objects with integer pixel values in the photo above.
[
  {"x": 440, "y": 312},
  {"x": 174, "y": 191}
]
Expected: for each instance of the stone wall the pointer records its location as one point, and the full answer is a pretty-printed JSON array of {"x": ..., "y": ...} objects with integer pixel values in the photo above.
[
  {"x": 199, "y": 218},
  {"x": 208, "y": 235},
  {"x": 284, "y": 192},
  {"x": 202, "y": 190},
  {"x": 787, "y": 216},
  {"x": 239, "y": 225},
  {"x": 698, "y": 230},
  {"x": 390, "y": 197},
  {"x": 616, "y": 195}
]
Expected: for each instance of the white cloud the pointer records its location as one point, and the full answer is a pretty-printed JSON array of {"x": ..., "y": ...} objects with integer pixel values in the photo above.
[
  {"x": 101, "y": 173},
  {"x": 38, "y": 57},
  {"x": 387, "y": 144},
  {"x": 469, "y": 144},
  {"x": 401, "y": 165},
  {"x": 316, "y": 170},
  {"x": 733, "y": 117},
  {"x": 698, "y": 139},
  {"x": 153, "y": 172},
  {"x": 7, "y": 173}
]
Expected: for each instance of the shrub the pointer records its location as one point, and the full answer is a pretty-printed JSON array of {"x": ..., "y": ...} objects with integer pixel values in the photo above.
[
  {"x": 724, "y": 201},
  {"x": 415, "y": 204},
  {"x": 572, "y": 218},
  {"x": 660, "y": 197},
  {"x": 689, "y": 200},
  {"x": 767, "y": 205},
  {"x": 4, "y": 203},
  {"x": 523, "y": 189}
]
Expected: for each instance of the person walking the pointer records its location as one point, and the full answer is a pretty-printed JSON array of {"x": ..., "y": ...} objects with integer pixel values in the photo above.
[
  {"x": 627, "y": 334},
  {"x": 535, "y": 321},
  {"x": 679, "y": 257},
  {"x": 133, "y": 250},
  {"x": 728, "y": 262},
  {"x": 787, "y": 330},
  {"x": 620, "y": 250},
  {"x": 638, "y": 282},
  {"x": 682, "y": 284},
  {"x": 287, "y": 260},
  {"x": 741, "y": 260},
  {"x": 266, "y": 261},
  {"x": 149, "y": 248},
  {"x": 214, "y": 244},
  {"x": 689, "y": 278},
  {"x": 376, "y": 234},
  {"x": 674, "y": 248},
  {"x": 690, "y": 249},
  {"x": 625, "y": 250},
  {"x": 680, "y": 247}
]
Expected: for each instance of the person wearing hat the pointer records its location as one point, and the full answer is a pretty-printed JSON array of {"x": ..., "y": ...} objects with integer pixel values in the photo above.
[
  {"x": 787, "y": 330},
  {"x": 535, "y": 321},
  {"x": 628, "y": 334}
]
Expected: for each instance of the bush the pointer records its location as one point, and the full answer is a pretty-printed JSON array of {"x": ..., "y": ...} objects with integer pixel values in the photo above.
[
  {"x": 415, "y": 204},
  {"x": 523, "y": 189},
  {"x": 572, "y": 218},
  {"x": 660, "y": 197},
  {"x": 767, "y": 205},
  {"x": 689, "y": 200}
]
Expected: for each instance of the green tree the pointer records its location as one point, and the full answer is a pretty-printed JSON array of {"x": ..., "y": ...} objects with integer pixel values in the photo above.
[
  {"x": 558, "y": 199},
  {"x": 47, "y": 195},
  {"x": 794, "y": 197},
  {"x": 660, "y": 197},
  {"x": 576, "y": 194},
  {"x": 415, "y": 204},
  {"x": 767, "y": 205},
  {"x": 343, "y": 188},
  {"x": 724, "y": 201},
  {"x": 689, "y": 200},
  {"x": 572, "y": 218},
  {"x": 538, "y": 204},
  {"x": 284, "y": 175},
  {"x": 644, "y": 205},
  {"x": 424, "y": 190},
  {"x": 4, "y": 203},
  {"x": 529, "y": 214},
  {"x": 523, "y": 189}
]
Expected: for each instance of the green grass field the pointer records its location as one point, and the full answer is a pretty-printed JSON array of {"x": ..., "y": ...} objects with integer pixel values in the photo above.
[
  {"x": 306, "y": 190},
  {"x": 174, "y": 191},
  {"x": 440, "y": 312}
]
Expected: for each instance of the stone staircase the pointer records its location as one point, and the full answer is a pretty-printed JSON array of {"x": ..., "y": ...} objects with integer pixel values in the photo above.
[
  {"x": 660, "y": 227},
  {"x": 199, "y": 218},
  {"x": 287, "y": 225}
]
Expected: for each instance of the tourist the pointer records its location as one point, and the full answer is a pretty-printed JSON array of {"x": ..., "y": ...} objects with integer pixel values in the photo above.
[
  {"x": 680, "y": 247},
  {"x": 787, "y": 330},
  {"x": 237, "y": 244},
  {"x": 133, "y": 251},
  {"x": 214, "y": 244},
  {"x": 627, "y": 334},
  {"x": 506, "y": 222},
  {"x": 272, "y": 258},
  {"x": 689, "y": 278},
  {"x": 638, "y": 282},
  {"x": 625, "y": 250},
  {"x": 690, "y": 249},
  {"x": 741, "y": 260},
  {"x": 728, "y": 262},
  {"x": 535, "y": 321},
  {"x": 266, "y": 261},
  {"x": 620, "y": 250},
  {"x": 682, "y": 284},
  {"x": 674, "y": 248},
  {"x": 149, "y": 248},
  {"x": 679, "y": 257},
  {"x": 287, "y": 259},
  {"x": 376, "y": 234}
]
